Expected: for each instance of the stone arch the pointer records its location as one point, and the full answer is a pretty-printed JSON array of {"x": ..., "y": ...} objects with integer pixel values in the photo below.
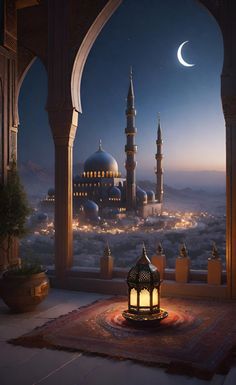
[
  {"x": 23, "y": 69},
  {"x": 224, "y": 15},
  {"x": 84, "y": 50}
]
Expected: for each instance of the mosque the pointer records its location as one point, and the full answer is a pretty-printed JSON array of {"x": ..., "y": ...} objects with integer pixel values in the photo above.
[{"x": 101, "y": 191}]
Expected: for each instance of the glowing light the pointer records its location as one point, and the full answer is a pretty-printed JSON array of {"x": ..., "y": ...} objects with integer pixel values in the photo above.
[
  {"x": 154, "y": 297},
  {"x": 133, "y": 297},
  {"x": 144, "y": 298}
]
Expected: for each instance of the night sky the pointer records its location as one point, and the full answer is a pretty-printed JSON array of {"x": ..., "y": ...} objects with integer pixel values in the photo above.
[{"x": 144, "y": 34}]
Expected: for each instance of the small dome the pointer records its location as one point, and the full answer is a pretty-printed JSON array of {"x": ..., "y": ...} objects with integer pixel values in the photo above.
[
  {"x": 90, "y": 208},
  {"x": 114, "y": 192},
  {"x": 144, "y": 273},
  {"x": 150, "y": 195},
  {"x": 51, "y": 192},
  {"x": 101, "y": 161},
  {"x": 42, "y": 217},
  {"x": 141, "y": 195}
]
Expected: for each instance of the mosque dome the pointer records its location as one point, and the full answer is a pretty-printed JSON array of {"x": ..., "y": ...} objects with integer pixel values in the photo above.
[
  {"x": 42, "y": 217},
  {"x": 141, "y": 195},
  {"x": 150, "y": 195},
  {"x": 90, "y": 209},
  {"x": 101, "y": 161},
  {"x": 114, "y": 192}
]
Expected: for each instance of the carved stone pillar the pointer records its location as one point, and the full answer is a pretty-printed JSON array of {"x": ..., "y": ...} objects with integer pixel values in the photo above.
[
  {"x": 229, "y": 107},
  {"x": 225, "y": 14},
  {"x": 8, "y": 107},
  {"x": 106, "y": 264},
  {"x": 64, "y": 125},
  {"x": 159, "y": 260},
  {"x": 227, "y": 21}
]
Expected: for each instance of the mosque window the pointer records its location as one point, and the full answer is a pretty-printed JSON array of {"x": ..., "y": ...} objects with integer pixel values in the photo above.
[
  {"x": 95, "y": 174},
  {"x": 111, "y": 174},
  {"x": 103, "y": 174},
  {"x": 107, "y": 174},
  {"x": 99, "y": 174},
  {"x": 91, "y": 174},
  {"x": 88, "y": 174}
]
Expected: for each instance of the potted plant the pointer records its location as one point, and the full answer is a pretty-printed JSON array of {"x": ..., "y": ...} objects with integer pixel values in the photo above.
[{"x": 25, "y": 285}]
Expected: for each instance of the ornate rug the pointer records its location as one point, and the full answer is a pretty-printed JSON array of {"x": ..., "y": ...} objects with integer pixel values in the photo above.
[{"x": 198, "y": 338}]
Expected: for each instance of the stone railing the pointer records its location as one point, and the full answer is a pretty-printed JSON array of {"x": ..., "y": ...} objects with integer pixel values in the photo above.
[{"x": 181, "y": 281}]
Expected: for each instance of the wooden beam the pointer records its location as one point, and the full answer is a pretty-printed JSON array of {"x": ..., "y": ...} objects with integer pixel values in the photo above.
[{"x": 26, "y": 3}]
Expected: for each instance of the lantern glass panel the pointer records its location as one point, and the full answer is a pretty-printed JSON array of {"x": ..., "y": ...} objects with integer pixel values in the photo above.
[
  {"x": 133, "y": 297},
  {"x": 144, "y": 298},
  {"x": 155, "y": 297}
]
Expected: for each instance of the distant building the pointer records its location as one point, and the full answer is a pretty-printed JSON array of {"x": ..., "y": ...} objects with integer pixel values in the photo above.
[{"x": 101, "y": 190}]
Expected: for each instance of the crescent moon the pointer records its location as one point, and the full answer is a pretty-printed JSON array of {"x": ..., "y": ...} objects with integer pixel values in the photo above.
[{"x": 180, "y": 58}]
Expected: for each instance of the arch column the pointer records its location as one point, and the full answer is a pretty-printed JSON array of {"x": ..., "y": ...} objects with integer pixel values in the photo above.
[
  {"x": 227, "y": 21},
  {"x": 225, "y": 14},
  {"x": 63, "y": 125},
  {"x": 229, "y": 108}
]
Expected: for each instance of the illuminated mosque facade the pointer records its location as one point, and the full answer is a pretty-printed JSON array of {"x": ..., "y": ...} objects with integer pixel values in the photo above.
[{"x": 101, "y": 191}]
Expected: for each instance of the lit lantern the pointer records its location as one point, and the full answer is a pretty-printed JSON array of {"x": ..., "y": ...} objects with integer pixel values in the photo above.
[{"x": 144, "y": 292}]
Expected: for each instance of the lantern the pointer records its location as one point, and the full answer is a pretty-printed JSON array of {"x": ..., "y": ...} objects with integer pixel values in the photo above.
[{"x": 144, "y": 292}]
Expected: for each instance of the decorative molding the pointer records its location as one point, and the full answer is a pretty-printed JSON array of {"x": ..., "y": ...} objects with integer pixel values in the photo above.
[{"x": 10, "y": 25}]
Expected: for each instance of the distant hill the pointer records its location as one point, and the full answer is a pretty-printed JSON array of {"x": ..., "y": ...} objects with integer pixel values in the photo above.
[
  {"x": 37, "y": 179},
  {"x": 208, "y": 180},
  {"x": 190, "y": 199}
]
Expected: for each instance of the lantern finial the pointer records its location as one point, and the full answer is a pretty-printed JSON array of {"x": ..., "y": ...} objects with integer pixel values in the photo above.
[
  {"x": 214, "y": 251},
  {"x": 107, "y": 251},
  {"x": 144, "y": 258},
  {"x": 160, "y": 248},
  {"x": 183, "y": 252}
]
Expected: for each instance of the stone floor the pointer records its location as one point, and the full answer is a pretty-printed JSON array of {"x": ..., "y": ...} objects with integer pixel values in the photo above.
[{"x": 24, "y": 366}]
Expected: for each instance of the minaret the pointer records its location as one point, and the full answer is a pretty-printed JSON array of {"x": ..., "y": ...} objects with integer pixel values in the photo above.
[
  {"x": 159, "y": 169},
  {"x": 130, "y": 148}
]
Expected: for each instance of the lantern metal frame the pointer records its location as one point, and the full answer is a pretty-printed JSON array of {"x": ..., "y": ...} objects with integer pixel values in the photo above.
[{"x": 144, "y": 276}]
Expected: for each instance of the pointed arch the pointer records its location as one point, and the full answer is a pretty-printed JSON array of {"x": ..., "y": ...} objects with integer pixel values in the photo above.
[{"x": 85, "y": 48}]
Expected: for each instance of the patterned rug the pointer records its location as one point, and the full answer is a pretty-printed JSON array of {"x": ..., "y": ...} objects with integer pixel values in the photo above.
[{"x": 198, "y": 338}]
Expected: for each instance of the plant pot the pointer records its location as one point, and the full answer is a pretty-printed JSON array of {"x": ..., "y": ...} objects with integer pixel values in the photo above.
[{"x": 23, "y": 293}]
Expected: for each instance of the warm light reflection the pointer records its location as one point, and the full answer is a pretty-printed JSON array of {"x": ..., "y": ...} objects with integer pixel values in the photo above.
[
  {"x": 170, "y": 220},
  {"x": 154, "y": 297},
  {"x": 133, "y": 297},
  {"x": 144, "y": 298}
]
